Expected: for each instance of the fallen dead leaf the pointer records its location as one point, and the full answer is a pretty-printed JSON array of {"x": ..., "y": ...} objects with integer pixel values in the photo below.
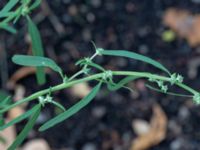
[
  {"x": 15, "y": 112},
  {"x": 185, "y": 24},
  {"x": 9, "y": 135},
  {"x": 156, "y": 133},
  {"x": 20, "y": 74}
]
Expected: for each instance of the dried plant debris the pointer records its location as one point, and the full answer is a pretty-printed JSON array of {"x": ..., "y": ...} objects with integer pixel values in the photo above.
[
  {"x": 21, "y": 74},
  {"x": 156, "y": 131},
  {"x": 184, "y": 23},
  {"x": 8, "y": 135}
]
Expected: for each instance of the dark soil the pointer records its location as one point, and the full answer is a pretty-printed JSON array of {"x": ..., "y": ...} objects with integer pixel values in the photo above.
[{"x": 134, "y": 25}]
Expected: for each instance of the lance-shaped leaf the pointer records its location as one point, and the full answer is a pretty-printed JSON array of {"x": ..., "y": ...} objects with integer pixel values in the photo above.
[
  {"x": 115, "y": 86},
  {"x": 72, "y": 110},
  {"x": 36, "y": 61},
  {"x": 37, "y": 48},
  {"x": 5, "y": 99},
  {"x": 132, "y": 55},
  {"x": 8, "y": 28},
  {"x": 19, "y": 118},
  {"x": 169, "y": 93},
  {"x": 8, "y": 7},
  {"x": 4, "y": 103},
  {"x": 1, "y": 120},
  {"x": 23, "y": 134},
  {"x": 35, "y": 4}
]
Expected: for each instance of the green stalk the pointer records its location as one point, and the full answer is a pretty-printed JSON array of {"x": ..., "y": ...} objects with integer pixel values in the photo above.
[{"x": 95, "y": 77}]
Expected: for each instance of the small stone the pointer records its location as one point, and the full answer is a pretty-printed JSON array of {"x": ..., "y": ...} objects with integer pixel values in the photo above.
[
  {"x": 36, "y": 145},
  {"x": 177, "y": 144},
  {"x": 96, "y": 3},
  {"x": 140, "y": 126},
  {"x": 183, "y": 113},
  {"x": 73, "y": 10},
  {"x": 99, "y": 111},
  {"x": 196, "y": 1},
  {"x": 86, "y": 35},
  {"x": 90, "y": 17},
  {"x": 89, "y": 146}
]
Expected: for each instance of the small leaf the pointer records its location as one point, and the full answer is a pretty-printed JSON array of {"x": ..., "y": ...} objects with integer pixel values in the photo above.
[
  {"x": 20, "y": 118},
  {"x": 115, "y": 86},
  {"x": 89, "y": 63},
  {"x": 1, "y": 120},
  {"x": 58, "y": 105},
  {"x": 169, "y": 93},
  {"x": 8, "y": 7},
  {"x": 20, "y": 138},
  {"x": 35, "y": 4},
  {"x": 6, "y": 14},
  {"x": 135, "y": 56},
  {"x": 5, "y": 99},
  {"x": 4, "y": 103},
  {"x": 37, "y": 48},
  {"x": 36, "y": 61},
  {"x": 72, "y": 110},
  {"x": 8, "y": 28}
]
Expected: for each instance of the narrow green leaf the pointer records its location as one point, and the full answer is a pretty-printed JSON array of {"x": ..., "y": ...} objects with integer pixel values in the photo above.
[
  {"x": 93, "y": 65},
  {"x": 8, "y": 7},
  {"x": 35, "y": 4},
  {"x": 169, "y": 93},
  {"x": 36, "y": 61},
  {"x": 96, "y": 66},
  {"x": 4, "y": 103},
  {"x": 25, "y": 2},
  {"x": 72, "y": 110},
  {"x": 115, "y": 86},
  {"x": 5, "y": 99},
  {"x": 37, "y": 48},
  {"x": 58, "y": 105},
  {"x": 20, "y": 138},
  {"x": 20, "y": 118},
  {"x": 1, "y": 120},
  {"x": 6, "y": 14},
  {"x": 8, "y": 28},
  {"x": 18, "y": 14},
  {"x": 132, "y": 55}
]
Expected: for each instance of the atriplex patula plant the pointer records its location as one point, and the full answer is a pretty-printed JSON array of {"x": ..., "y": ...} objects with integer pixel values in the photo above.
[
  {"x": 11, "y": 13},
  {"x": 86, "y": 74}
]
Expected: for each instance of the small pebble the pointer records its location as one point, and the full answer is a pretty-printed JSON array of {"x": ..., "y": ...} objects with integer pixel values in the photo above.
[
  {"x": 96, "y": 3},
  {"x": 89, "y": 146},
  {"x": 90, "y": 17},
  {"x": 99, "y": 111}
]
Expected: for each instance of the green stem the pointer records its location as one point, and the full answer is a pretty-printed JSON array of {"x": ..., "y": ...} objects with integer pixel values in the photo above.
[{"x": 96, "y": 77}]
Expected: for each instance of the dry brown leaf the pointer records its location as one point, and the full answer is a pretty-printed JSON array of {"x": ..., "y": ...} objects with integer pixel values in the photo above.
[
  {"x": 15, "y": 112},
  {"x": 9, "y": 135},
  {"x": 185, "y": 24},
  {"x": 157, "y": 131},
  {"x": 20, "y": 74},
  {"x": 80, "y": 90}
]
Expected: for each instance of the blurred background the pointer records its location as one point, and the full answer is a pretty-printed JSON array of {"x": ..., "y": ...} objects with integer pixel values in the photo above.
[{"x": 167, "y": 31}]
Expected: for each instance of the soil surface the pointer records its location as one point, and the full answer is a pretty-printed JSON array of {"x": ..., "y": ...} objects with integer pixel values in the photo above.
[{"x": 134, "y": 25}]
